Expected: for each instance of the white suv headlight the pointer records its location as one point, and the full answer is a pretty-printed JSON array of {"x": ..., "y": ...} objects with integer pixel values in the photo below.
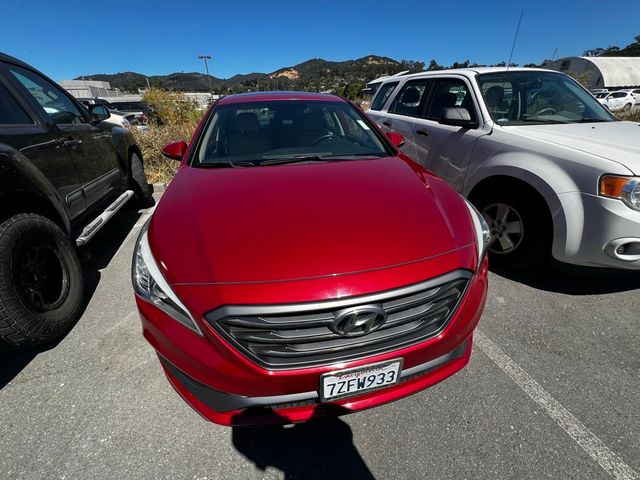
[
  {"x": 623, "y": 188},
  {"x": 149, "y": 283},
  {"x": 483, "y": 233}
]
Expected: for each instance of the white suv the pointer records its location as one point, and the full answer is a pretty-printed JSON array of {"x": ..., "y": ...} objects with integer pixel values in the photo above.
[{"x": 549, "y": 167}]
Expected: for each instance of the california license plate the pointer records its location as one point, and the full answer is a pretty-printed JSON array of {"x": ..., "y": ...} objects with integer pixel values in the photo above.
[{"x": 354, "y": 381}]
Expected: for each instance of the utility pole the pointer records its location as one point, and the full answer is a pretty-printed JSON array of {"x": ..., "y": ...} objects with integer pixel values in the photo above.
[{"x": 206, "y": 67}]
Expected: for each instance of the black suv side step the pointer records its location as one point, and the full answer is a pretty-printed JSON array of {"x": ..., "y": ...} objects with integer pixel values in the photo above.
[{"x": 100, "y": 221}]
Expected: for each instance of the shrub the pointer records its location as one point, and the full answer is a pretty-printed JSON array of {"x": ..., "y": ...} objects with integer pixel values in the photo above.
[
  {"x": 151, "y": 142},
  {"x": 180, "y": 118},
  {"x": 172, "y": 107}
]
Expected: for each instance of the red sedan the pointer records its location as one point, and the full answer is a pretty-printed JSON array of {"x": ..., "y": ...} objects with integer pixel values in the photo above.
[{"x": 299, "y": 265}]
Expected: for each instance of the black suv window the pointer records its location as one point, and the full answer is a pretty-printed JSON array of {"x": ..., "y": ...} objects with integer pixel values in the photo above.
[
  {"x": 446, "y": 93},
  {"x": 11, "y": 113},
  {"x": 409, "y": 99},
  {"x": 383, "y": 94},
  {"x": 55, "y": 103}
]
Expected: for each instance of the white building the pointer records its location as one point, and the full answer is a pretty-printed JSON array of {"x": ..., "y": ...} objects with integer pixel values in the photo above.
[
  {"x": 89, "y": 88},
  {"x": 606, "y": 72}
]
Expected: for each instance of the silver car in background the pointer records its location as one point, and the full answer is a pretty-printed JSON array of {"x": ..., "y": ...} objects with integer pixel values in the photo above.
[{"x": 551, "y": 170}]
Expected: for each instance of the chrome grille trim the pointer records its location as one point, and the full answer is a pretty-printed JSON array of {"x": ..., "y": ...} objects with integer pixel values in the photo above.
[{"x": 297, "y": 335}]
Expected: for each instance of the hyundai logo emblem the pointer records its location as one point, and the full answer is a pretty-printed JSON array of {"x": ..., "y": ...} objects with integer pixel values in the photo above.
[{"x": 356, "y": 321}]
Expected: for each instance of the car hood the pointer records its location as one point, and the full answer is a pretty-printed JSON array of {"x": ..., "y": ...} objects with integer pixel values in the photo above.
[
  {"x": 303, "y": 221},
  {"x": 616, "y": 141}
]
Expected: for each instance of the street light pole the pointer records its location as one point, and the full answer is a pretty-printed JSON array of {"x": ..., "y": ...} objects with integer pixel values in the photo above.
[{"x": 206, "y": 67}]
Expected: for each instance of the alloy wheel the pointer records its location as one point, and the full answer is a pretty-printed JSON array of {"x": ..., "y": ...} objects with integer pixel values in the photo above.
[{"x": 506, "y": 227}]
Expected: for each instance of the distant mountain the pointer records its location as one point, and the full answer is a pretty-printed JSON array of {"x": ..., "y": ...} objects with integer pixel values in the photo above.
[{"x": 313, "y": 75}]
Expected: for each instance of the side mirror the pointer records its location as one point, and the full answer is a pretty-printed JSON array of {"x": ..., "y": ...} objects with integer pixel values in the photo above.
[
  {"x": 175, "y": 150},
  {"x": 396, "y": 139},
  {"x": 457, "y": 117},
  {"x": 98, "y": 113}
]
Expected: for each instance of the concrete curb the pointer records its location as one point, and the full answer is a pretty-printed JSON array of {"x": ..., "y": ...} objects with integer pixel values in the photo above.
[{"x": 159, "y": 187}]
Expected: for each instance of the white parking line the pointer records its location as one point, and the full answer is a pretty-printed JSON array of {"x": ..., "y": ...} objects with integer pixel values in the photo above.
[{"x": 584, "y": 437}]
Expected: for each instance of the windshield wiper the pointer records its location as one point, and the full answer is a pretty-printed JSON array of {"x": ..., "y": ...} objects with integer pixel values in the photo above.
[
  {"x": 227, "y": 164},
  {"x": 544, "y": 122},
  {"x": 334, "y": 157},
  {"x": 301, "y": 158},
  {"x": 592, "y": 120}
]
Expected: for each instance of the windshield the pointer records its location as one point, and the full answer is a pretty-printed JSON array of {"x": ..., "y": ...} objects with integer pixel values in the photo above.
[
  {"x": 269, "y": 132},
  {"x": 530, "y": 98}
]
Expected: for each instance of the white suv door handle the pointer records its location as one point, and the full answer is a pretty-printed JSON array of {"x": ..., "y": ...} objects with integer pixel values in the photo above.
[{"x": 422, "y": 132}]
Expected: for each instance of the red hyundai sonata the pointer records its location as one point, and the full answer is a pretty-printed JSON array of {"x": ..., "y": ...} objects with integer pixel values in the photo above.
[{"x": 298, "y": 265}]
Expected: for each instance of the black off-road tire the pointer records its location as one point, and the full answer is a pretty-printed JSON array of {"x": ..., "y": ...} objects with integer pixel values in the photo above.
[
  {"x": 139, "y": 184},
  {"x": 626, "y": 108},
  {"x": 30, "y": 244},
  {"x": 533, "y": 245}
]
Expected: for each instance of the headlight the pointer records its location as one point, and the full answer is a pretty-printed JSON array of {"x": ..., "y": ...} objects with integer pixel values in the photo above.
[
  {"x": 483, "y": 234},
  {"x": 149, "y": 283},
  {"x": 623, "y": 188}
]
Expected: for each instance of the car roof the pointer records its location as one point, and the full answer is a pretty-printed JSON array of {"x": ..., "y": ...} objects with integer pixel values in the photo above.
[
  {"x": 470, "y": 71},
  {"x": 278, "y": 96},
  {"x": 9, "y": 59}
]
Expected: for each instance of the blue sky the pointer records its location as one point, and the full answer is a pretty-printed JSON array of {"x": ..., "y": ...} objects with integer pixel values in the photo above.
[{"x": 71, "y": 38}]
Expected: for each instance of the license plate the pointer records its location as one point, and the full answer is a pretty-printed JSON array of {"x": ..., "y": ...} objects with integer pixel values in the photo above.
[{"x": 354, "y": 381}]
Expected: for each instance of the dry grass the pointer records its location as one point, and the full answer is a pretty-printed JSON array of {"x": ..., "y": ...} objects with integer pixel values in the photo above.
[
  {"x": 158, "y": 168},
  {"x": 180, "y": 118},
  {"x": 632, "y": 116}
]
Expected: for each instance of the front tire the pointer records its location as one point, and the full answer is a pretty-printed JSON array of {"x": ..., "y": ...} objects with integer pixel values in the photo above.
[
  {"x": 520, "y": 228},
  {"x": 41, "y": 286},
  {"x": 626, "y": 108},
  {"x": 139, "y": 184}
]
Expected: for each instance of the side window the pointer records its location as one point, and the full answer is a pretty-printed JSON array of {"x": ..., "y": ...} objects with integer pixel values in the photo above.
[
  {"x": 383, "y": 94},
  {"x": 11, "y": 113},
  {"x": 55, "y": 103},
  {"x": 409, "y": 99},
  {"x": 446, "y": 93}
]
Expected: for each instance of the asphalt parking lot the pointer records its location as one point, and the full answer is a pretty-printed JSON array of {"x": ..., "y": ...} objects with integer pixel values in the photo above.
[{"x": 552, "y": 391}]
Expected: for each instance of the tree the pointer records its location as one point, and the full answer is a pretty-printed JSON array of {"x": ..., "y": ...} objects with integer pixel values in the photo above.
[
  {"x": 433, "y": 65},
  {"x": 464, "y": 64}
]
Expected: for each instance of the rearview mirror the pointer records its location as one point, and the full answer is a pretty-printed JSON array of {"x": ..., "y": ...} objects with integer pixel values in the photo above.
[
  {"x": 175, "y": 150},
  {"x": 98, "y": 113},
  {"x": 396, "y": 139},
  {"x": 457, "y": 117}
]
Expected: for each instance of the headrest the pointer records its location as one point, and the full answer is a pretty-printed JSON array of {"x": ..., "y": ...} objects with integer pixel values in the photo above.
[
  {"x": 247, "y": 122},
  {"x": 410, "y": 95},
  {"x": 312, "y": 121},
  {"x": 494, "y": 95}
]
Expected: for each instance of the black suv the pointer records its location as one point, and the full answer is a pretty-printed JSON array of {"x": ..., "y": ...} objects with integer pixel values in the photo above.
[{"x": 63, "y": 175}]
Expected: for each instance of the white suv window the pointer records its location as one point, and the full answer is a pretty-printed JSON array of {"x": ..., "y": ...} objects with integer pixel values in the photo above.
[
  {"x": 446, "y": 93},
  {"x": 383, "y": 94},
  {"x": 409, "y": 98}
]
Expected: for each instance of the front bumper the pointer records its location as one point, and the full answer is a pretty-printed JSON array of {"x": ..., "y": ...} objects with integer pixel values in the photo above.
[
  {"x": 226, "y": 408},
  {"x": 595, "y": 227},
  {"x": 225, "y": 387}
]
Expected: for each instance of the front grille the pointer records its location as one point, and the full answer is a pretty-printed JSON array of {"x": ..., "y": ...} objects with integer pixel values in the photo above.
[{"x": 299, "y": 335}]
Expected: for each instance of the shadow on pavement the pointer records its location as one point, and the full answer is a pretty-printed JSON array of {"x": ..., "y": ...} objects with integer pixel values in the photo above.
[
  {"x": 95, "y": 256},
  {"x": 320, "y": 448},
  {"x": 574, "y": 280}
]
